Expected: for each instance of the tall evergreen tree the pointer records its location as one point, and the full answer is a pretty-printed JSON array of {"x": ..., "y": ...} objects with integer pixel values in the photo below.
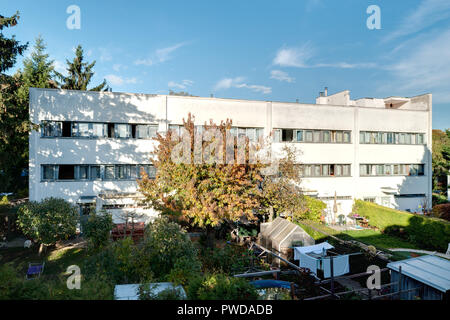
[
  {"x": 13, "y": 112},
  {"x": 80, "y": 74}
]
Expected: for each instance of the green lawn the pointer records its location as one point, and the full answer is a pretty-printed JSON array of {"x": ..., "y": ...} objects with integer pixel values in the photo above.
[{"x": 56, "y": 260}]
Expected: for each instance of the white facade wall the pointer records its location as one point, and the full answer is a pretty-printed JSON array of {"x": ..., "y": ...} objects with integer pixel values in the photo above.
[{"x": 65, "y": 105}]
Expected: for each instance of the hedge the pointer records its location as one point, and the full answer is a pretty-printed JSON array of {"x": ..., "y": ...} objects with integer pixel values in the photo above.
[{"x": 428, "y": 233}]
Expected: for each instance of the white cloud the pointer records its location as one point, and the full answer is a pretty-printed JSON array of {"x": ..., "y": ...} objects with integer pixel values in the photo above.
[
  {"x": 281, "y": 76},
  {"x": 117, "y": 67},
  {"x": 425, "y": 68},
  {"x": 301, "y": 57},
  {"x": 293, "y": 57},
  {"x": 118, "y": 81},
  {"x": 183, "y": 85},
  {"x": 60, "y": 67},
  {"x": 425, "y": 15},
  {"x": 160, "y": 55},
  {"x": 238, "y": 82}
]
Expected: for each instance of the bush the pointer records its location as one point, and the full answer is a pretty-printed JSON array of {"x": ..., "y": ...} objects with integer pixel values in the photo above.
[
  {"x": 166, "y": 246},
  {"x": 146, "y": 293},
  {"x": 165, "y": 254},
  {"x": 313, "y": 209},
  {"x": 442, "y": 211},
  {"x": 439, "y": 199},
  {"x": 97, "y": 228},
  {"x": 220, "y": 287},
  {"x": 48, "y": 221},
  {"x": 228, "y": 260}
]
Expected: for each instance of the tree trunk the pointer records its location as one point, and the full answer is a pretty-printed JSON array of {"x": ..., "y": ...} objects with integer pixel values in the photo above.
[
  {"x": 42, "y": 249},
  {"x": 210, "y": 237}
]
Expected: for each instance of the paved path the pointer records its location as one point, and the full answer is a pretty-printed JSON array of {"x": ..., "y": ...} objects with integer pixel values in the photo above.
[{"x": 422, "y": 251}]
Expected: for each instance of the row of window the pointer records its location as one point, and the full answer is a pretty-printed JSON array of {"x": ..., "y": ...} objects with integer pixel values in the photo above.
[
  {"x": 313, "y": 136},
  {"x": 97, "y": 130},
  {"x": 392, "y": 170},
  {"x": 325, "y": 170},
  {"x": 95, "y": 172},
  {"x": 370, "y": 137},
  {"x": 344, "y": 170},
  {"x": 147, "y": 131},
  {"x": 253, "y": 134}
]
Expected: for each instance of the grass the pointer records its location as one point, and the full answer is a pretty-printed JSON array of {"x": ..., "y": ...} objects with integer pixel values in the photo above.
[{"x": 56, "y": 260}]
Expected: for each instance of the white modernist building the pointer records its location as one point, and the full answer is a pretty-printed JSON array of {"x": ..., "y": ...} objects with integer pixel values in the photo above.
[{"x": 92, "y": 145}]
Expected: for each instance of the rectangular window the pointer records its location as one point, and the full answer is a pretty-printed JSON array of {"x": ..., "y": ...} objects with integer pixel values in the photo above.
[
  {"x": 373, "y": 137},
  {"x": 67, "y": 129},
  {"x": 308, "y": 170},
  {"x": 346, "y": 137},
  {"x": 390, "y": 138},
  {"x": 147, "y": 131},
  {"x": 308, "y": 136},
  {"x": 403, "y": 169},
  {"x": 338, "y": 170},
  {"x": 396, "y": 169},
  {"x": 48, "y": 172},
  {"x": 408, "y": 138},
  {"x": 287, "y": 135},
  {"x": 402, "y": 139},
  {"x": 83, "y": 173},
  {"x": 396, "y": 138},
  {"x": 346, "y": 170},
  {"x": 242, "y": 132},
  {"x": 420, "y": 138},
  {"x": 66, "y": 172},
  {"x": 133, "y": 171},
  {"x": 380, "y": 169},
  {"x": 122, "y": 172},
  {"x": 388, "y": 169},
  {"x": 316, "y": 136},
  {"x": 299, "y": 135},
  {"x": 109, "y": 172},
  {"x": 277, "y": 135},
  {"x": 339, "y": 136},
  {"x": 95, "y": 172},
  {"x": 361, "y": 137},
  {"x": 317, "y": 170},
  {"x": 99, "y": 130},
  {"x": 363, "y": 170},
  {"x": 413, "y": 138},
  {"x": 51, "y": 129},
  {"x": 367, "y": 137},
  {"x": 421, "y": 170},
  {"x": 81, "y": 130},
  {"x": 413, "y": 170},
  {"x": 325, "y": 170},
  {"x": 326, "y": 137},
  {"x": 122, "y": 130},
  {"x": 251, "y": 134},
  {"x": 384, "y": 138},
  {"x": 259, "y": 133}
]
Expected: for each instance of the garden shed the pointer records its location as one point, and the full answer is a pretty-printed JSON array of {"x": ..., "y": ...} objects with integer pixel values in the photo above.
[
  {"x": 429, "y": 274},
  {"x": 281, "y": 235}
]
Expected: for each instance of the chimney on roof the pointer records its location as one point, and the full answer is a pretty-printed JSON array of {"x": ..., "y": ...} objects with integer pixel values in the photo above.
[
  {"x": 326, "y": 91},
  {"x": 296, "y": 100},
  {"x": 211, "y": 95},
  {"x": 321, "y": 94}
]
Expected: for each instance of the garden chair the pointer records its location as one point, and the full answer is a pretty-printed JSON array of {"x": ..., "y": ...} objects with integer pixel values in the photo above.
[{"x": 35, "y": 270}]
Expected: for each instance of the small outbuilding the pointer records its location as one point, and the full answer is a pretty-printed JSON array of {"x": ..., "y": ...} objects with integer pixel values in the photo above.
[
  {"x": 281, "y": 235},
  {"x": 426, "y": 277}
]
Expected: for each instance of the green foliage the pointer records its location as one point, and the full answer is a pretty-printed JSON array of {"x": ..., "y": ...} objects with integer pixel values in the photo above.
[
  {"x": 228, "y": 260},
  {"x": 13, "y": 113},
  {"x": 146, "y": 293},
  {"x": 441, "y": 159},
  {"x": 48, "y": 221},
  {"x": 13, "y": 286},
  {"x": 439, "y": 199},
  {"x": 97, "y": 228},
  {"x": 165, "y": 254},
  {"x": 166, "y": 246},
  {"x": 428, "y": 233},
  {"x": 80, "y": 74},
  {"x": 220, "y": 287},
  {"x": 314, "y": 209}
]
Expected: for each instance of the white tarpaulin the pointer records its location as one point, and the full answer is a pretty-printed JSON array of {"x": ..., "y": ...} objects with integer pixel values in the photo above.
[{"x": 317, "y": 249}]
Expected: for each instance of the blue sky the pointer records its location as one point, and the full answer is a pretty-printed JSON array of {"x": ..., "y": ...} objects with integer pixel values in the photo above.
[{"x": 264, "y": 50}]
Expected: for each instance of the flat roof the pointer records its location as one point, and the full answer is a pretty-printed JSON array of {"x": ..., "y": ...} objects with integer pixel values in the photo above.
[{"x": 430, "y": 270}]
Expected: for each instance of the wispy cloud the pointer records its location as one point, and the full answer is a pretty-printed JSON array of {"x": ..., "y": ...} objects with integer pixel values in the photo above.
[
  {"x": 183, "y": 85},
  {"x": 425, "y": 68},
  {"x": 105, "y": 55},
  {"x": 425, "y": 15},
  {"x": 294, "y": 57},
  {"x": 118, "y": 80},
  {"x": 301, "y": 58},
  {"x": 238, "y": 82},
  {"x": 60, "y": 67},
  {"x": 281, "y": 76},
  {"x": 160, "y": 55}
]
